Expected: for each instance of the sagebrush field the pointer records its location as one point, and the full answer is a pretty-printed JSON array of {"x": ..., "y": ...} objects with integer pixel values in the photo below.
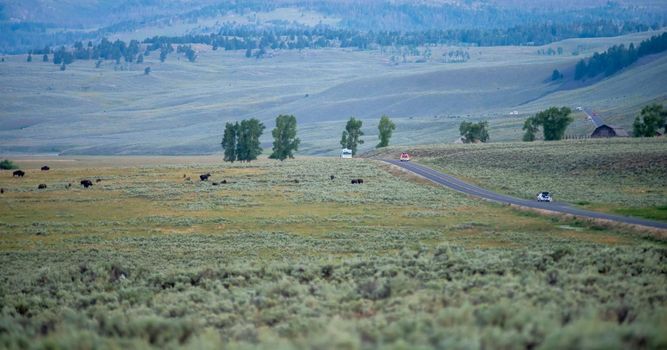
[{"x": 281, "y": 256}]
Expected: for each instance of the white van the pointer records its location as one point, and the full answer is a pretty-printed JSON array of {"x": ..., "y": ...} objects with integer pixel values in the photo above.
[{"x": 346, "y": 153}]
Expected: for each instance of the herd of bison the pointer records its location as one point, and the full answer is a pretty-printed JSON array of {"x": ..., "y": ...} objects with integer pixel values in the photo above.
[{"x": 89, "y": 183}]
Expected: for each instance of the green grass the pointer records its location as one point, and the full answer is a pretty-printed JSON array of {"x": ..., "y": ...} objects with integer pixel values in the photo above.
[
  {"x": 181, "y": 107},
  {"x": 613, "y": 175},
  {"x": 150, "y": 259},
  {"x": 655, "y": 213}
]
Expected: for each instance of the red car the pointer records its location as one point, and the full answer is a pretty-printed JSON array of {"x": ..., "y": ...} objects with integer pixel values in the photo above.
[{"x": 405, "y": 157}]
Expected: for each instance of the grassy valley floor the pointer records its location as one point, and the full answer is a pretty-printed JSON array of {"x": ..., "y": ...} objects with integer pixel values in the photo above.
[
  {"x": 622, "y": 176},
  {"x": 281, "y": 256}
]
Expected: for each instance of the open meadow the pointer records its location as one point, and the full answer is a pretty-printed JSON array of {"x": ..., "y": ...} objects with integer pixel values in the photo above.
[
  {"x": 622, "y": 175},
  {"x": 281, "y": 256}
]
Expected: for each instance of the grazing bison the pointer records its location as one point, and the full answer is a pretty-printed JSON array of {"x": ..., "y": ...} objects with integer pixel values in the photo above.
[
  {"x": 98, "y": 180},
  {"x": 355, "y": 181},
  {"x": 19, "y": 173},
  {"x": 86, "y": 183},
  {"x": 2, "y": 190},
  {"x": 332, "y": 177},
  {"x": 223, "y": 182},
  {"x": 205, "y": 177},
  {"x": 45, "y": 168},
  {"x": 215, "y": 184},
  {"x": 41, "y": 186}
]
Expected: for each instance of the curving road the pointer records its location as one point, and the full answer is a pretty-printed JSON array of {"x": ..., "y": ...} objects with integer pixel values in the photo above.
[
  {"x": 464, "y": 187},
  {"x": 593, "y": 117}
]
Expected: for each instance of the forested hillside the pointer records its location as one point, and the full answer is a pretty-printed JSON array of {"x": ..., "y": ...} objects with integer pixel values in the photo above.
[
  {"x": 38, "y": 23},
  {"x": 619, "y": 57}
]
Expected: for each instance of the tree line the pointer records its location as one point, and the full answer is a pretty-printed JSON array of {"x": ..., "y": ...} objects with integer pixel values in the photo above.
[
  {"x": 618, "y": 57},
  {"x": 247, "y": 37},
  {"x": 256, "y": 42},
  {"x": 240, "y": 140},
  {"x": 118, "y": 51}
]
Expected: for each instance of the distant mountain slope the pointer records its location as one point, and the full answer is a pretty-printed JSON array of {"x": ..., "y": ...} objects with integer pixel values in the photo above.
[
  {"x": 33, "y": 24},
  {"x": 620, "y": 96},
  {"x": 94, "y": 13}
]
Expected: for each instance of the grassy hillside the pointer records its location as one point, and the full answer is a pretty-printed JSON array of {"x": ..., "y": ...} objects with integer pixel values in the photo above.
[
  {"x": 148, "y": 259},
  {"x": 181, "y": 107},
  {"x": 625, "y": 176}
]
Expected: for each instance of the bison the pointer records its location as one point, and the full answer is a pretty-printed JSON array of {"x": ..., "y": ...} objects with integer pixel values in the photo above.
[
  {"x": 45, "y": 168},
  {"x": 223, "y": 182},
  {"x": 357, "y": 181},
  {"x": 41, "y": 186},
  {"x": 86, "y": 183},
  {"x": 215, "y": 184},
  {"x": 204, "y": 177},
  {"x": 19, "y": 173},
  {"x": 332, "y": 177},
  {"x": 2, "y": 190},
  {"x": 98, "y": 180}
]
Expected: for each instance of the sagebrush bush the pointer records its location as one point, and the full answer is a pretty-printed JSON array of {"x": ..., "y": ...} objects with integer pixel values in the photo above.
[{"x": 8, "y": 165}]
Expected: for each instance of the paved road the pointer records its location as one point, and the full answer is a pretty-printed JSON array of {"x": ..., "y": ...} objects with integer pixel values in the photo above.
[
  {"x": 458, "y": 185},
  {"x": 594, "y": 118}
]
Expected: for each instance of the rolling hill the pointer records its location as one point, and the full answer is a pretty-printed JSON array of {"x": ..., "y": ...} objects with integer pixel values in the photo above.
[{"x": 181, "y": 107}]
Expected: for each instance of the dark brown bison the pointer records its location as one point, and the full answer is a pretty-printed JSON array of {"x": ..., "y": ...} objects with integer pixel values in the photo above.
[
  {"x": 86, "y": 183},
  {"x": 98, "y": 180},
  {"x": 332, "y": 177},
  {"x": 19, "y": 173},
  {"x": 2, "y": 190},
  {"x": 45, "y": 168},
  {"x": 355, "y": 181},
  {"x": 215, "y": 184},
  {"x": 41, "y": 186},
  {"x": 223, "y": 181},
  {"x": 204, "y": 177}
]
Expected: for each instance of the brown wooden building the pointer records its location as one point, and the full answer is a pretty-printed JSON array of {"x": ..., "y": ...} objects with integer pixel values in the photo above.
[{"x": 609, "y": 131}]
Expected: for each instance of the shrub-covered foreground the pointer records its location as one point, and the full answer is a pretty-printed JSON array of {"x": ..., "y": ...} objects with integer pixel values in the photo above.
[
  {"x": 445, "y": 297},
  {"x": 267, "y": 262}
]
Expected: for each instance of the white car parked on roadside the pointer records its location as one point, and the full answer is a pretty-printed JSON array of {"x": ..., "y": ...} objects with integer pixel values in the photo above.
[{"x": 544, "y": 197}]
